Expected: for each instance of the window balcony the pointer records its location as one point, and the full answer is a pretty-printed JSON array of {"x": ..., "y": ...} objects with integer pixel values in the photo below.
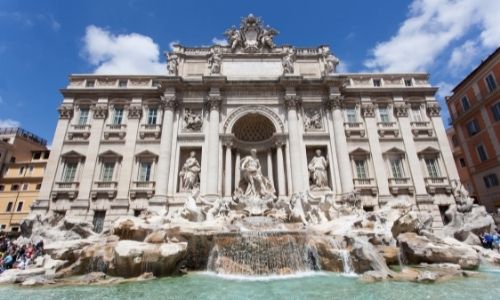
[
  {"x": 354, "y": 128},
  {"x": 79, "y": 132},
  {"x": 66, "y": 189},
  {"x": 145, "y": 188},
  {"x": 398, "y": 184},
  {"x": 150, "y": 131},
  {"x": 388, "y": 128},
  {"x": 108, "y": 188},
  {"x": 434, "y": 184},
  {"x": 115, "y": 131},
  {"x": 365, "y": 184},
  {"x": 421, "y": 128}
]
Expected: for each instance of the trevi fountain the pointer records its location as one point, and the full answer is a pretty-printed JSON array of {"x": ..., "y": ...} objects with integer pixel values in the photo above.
[{"x": 254, "y": 171}]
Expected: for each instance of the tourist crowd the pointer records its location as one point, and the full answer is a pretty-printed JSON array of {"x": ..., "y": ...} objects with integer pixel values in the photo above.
[
  {"x": 490, "y": 240},
  {"x": 13, "y": 256}
]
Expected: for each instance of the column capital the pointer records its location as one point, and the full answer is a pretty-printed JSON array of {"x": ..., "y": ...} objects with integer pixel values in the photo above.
[
  {"x": 228, "y": 141},
  {"x": 280, "y": 141},
  {"x": 401, "y": 110},
  {"x": 134, "y": 111},
  {"x": 292, "y": 101},
  {"x": 169, "y": 102},
  {"x": 214, "y": 101},
  {"x": 334, "y": 101},
  {"x": 65, "y": 111},
  {"x": 100, "y": 111},
  {"x": 368, "y": 110},
  {"x": 433, "y": 110}
]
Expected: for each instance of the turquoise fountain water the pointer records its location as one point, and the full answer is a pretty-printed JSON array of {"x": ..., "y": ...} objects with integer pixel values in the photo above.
[{"x": 319, "y": 286}]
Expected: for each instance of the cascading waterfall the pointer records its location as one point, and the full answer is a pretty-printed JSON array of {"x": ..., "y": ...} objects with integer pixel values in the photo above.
[
  {"x": 346, "y": 258},
  {"x": 257, "y": 253}
]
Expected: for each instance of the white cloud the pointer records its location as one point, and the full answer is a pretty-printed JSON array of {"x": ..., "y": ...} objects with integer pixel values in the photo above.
[
  {"x": 444, "y": 89},
  {"x": 221, "y": 42},
  {"x": 343, "y": 67},
  {"x": 121, "y": 54},
  {"x": 432, "y": 25},
  {"x": 172, "y": 44},
  {"x": 463, "y": 55},
  {"x": 9, "y": 123},
  {"x": 1, "y": 100}
]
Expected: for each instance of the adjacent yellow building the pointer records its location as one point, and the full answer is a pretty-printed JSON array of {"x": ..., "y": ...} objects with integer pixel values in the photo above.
[{"x": 24, "y": 157}]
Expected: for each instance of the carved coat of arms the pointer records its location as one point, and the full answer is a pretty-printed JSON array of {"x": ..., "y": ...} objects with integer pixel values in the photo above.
[{"x": 252, "y": 36}]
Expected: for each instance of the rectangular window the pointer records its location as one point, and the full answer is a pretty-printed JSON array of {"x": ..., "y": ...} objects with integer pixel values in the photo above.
[
  {"x": 408, "y": 82},
  {"x": 432, "y": 167},
  {"x": 25, "y": 186},
  {"x": 84, "y": 116},
  {"x": 351, "y": 115},
  {"x": 19, "y": 207},
  {"x": 481, "y": 152},
  {"x": 122, "y": 83},
  {"x": 38, "y": 186},
  {"x": 107, "y": 171},
  {"x": 361, "y": 168},
  {"x": 472, "y": 127},
  {"x": 465, "y": 103},
  {"x": 145, "y": 171},
  {"x": 496, "y": 111},
  {"x": 21, "y": 171},
  {"x": 462, "y": 162},
  {"x": 377, "y": 82},
  {"x": 69, "y": 172},
  {"x": 384, "y": 114},
  {"x": 490, "y": 180},
  {"x": 2, "y": 187},
  {"x": 490, "y": 81},
  {"x": 397, "y": 168},
  {"x": 30, "y": 170},
  {"x": 9, "y": 206},
  {"x": 14, "y": 187},
  {"x": 152, "y": 115},
  {"x": 416, "y": 114},
  {"x": 90, "y": 83},
  {"x": 117, "y": 115}
]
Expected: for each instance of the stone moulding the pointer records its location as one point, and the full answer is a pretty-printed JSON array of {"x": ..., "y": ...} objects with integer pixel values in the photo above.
[{"x": 236, "y": 114}]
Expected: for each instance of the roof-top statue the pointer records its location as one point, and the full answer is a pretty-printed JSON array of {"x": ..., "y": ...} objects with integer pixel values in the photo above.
[{"x": 252, "y": 36}]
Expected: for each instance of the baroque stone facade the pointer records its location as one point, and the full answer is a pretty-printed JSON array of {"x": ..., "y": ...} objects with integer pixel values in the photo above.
[{"x": 251, "y": 119}]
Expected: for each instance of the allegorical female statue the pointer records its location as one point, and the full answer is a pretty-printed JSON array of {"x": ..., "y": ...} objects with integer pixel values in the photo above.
[
  {"x": 190, "y": 173},
  {"x": 317, "y": 171},
  {"x": 253, "y": 183}
]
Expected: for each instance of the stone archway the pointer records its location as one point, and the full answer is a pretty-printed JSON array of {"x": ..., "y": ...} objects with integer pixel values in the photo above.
[{"x": 270, "y": 115}]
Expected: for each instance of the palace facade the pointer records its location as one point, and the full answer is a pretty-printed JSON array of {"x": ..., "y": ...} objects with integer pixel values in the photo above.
[{"x": 129, "y": 144}]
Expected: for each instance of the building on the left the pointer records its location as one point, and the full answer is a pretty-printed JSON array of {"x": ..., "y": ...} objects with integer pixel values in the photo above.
[{"x": 23, "y": 157}]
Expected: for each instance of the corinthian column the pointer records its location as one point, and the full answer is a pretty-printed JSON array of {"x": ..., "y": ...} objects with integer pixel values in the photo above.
[
  {"x": 341, "y": 144},
  {"x": 291, "y": 102},
  {"x": 228, "y": 171},
  {"x": 169, "y": 102},
  {"x": 213, "y": 145},
  {"x": 280, "y": 168}
]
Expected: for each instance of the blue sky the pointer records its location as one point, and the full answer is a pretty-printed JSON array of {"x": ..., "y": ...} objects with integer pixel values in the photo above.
[{"x": 42, "y": 42}]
